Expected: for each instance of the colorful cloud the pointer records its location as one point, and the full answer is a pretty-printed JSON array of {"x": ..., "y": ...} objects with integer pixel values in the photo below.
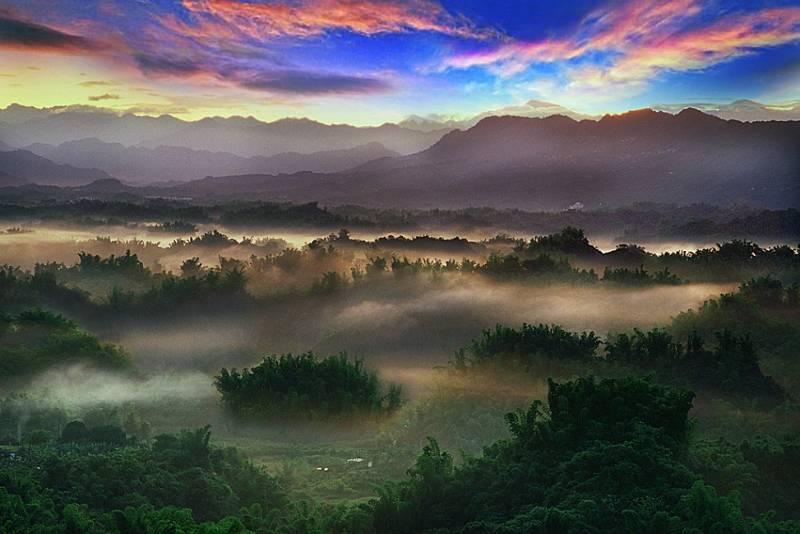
[
  {"x": 630, "y": 44},
  {"x": 310, "y": 18},
  {"x": 397, "y": 57}
]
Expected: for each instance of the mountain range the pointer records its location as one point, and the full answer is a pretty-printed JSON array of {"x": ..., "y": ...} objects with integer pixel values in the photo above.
[
  {"x": 21, "y": 126},
  {"x": 502, "y": 161},
  {"x": 531, "y": 108},
  {"x": 741, "y": 110},
  {"x": 169, "y": 163},
  {"x": 22, "y": 166},
  {"x": 555, "y": 162}
]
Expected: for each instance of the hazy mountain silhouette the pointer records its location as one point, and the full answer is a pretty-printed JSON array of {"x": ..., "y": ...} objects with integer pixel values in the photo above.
[
  {"x": 162, "y": 164},
  {"x": 742, "y": 110},
  {"x": 23, "y": 126},
  {"x": 531, "y": 108},
  {"x": 29, "y": 167},
  {"x": 251, "y": 137},
  {"x": 8, "y": 180},
  {"x": 554, "y": 162}
]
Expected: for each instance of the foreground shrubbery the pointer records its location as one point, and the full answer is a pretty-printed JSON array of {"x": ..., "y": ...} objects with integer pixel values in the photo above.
[
  {"x": 96, "y": 485},
  {"x": 292, "y": 387},
  {"x": 607, "y": 456},
  {"x": 602, "y": 456}
]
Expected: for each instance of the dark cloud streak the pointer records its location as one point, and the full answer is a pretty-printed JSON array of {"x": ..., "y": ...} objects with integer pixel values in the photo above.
[
  {"x": 96, "y": 83},
  {"x": 184, "y": 58},
  {"x": 106, "y": 96},
  {"x": 313, "y": 83},
  {"x": 16, "y": 33},
  {"x": 162, "y": 65}
]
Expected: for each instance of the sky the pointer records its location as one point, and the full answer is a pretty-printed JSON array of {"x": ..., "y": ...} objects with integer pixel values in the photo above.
[{"x": 375, "y": 61}]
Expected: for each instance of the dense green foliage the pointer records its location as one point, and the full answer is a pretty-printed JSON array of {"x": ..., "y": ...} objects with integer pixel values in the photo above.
[
  {"x": 291, "y": 387},
  {"x": 764, "y": 470},
  {"x": 608, "y": 456},
  {"x": 764, "y": 308},
  {"x": 569, "y": 241},
  {"x": 508, "y": 345},
  {"x": 616, "y": 455},
  {"x": 640, "y": 276},
  {"x": 93, "y": 485},
  {"x": 603, "y": 456},
  {"x": 731, "y": 366},
  {"x": 732, "y": 260},
  {"x": 542, "y": 266},
  {"x": 35, "y": 341}
]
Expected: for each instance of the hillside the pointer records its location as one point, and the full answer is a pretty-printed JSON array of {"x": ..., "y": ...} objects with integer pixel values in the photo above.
[{"x": 27, "y": 166}]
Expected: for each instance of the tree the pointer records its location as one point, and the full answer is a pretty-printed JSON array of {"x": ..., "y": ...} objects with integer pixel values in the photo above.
[{"x": 75, "y": 432}]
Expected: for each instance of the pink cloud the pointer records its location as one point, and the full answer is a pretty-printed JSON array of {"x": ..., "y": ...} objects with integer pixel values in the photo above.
[
  {"x": 642, "y": 39},
  {"x": 310, "y": 18}
]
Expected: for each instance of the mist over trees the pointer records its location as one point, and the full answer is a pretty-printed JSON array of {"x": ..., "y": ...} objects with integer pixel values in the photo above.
[{"x": 483, "y": 395}]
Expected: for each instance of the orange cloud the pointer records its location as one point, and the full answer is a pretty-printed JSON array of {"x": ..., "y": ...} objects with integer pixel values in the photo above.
[{"x": 310, "y": 18}]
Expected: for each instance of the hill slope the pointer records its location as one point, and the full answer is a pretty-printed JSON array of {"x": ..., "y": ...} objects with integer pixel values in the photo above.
[{"x": 27, "y": 166}]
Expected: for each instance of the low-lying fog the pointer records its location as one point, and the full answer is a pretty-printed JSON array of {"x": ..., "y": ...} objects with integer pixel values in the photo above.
[
  {"x": 403, "y": 330},
  {"x": 403, "y": 327},
  {"x": 44, "y": 243}
]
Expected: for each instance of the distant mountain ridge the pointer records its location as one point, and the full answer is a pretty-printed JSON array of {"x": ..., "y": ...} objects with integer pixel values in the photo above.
[
  {"x": 168, "y": 163},
  {"x": 25, "y": 166},
  {"x": 741, "y": 110},
  {"x": 554, "y": 162},
  {"x": 517, "y": 162},
  {"x": 243, "y": 136},
  {"x": 530, "y": 109}
]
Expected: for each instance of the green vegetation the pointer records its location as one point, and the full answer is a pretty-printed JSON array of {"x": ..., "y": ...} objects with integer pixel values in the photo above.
[
  {"x": 682, "y": 425},
  {"x": 292, "y": 387},
  {"x": 640, "y": 276},
  {"x": 541, "y": 267},
  {"x": 174, "y": 227},
  {"x": 608, "y": 456},
  {"x": 504, "y": 345},
  {"x": 94, "y": 484},
  {"x": 764, "y": 308},
  {"x": 605, "y": 456},
  {"x": 34, "y": 341},
  {"x": 570, "y": 241},
  {"x": 711, "y": 356},
  {"x": 731, "y": 366}
]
